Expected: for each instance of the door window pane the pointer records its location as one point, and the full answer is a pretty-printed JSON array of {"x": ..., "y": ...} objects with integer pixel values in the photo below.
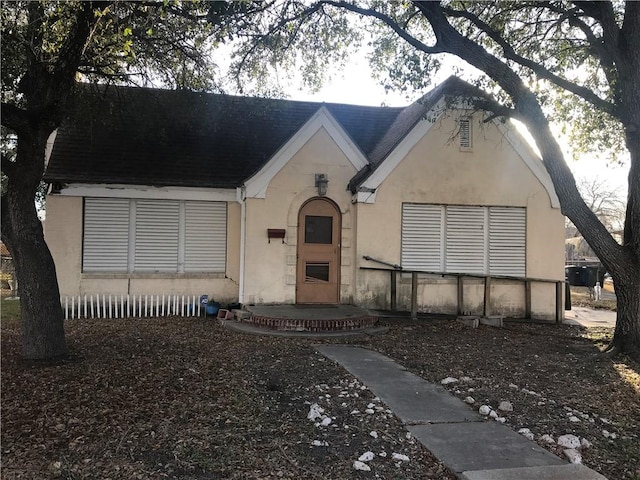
[
  {"x": 318, "y": 229},
  {"x": 317, "y": 272}
]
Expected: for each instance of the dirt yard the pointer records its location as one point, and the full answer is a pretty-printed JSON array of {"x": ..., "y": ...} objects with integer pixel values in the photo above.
[{"x": 188, "y": 399}]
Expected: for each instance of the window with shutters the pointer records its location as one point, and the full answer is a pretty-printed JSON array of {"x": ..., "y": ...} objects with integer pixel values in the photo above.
[
  {"x": 105, "y": 245},
  {"x": 465, "y": 134},
  {"x": 464, "y": 239},
  {"x": 153, "y": 236}
]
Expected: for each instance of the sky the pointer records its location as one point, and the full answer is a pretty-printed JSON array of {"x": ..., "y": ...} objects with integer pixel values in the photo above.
[{"x": 355, "y": 85}]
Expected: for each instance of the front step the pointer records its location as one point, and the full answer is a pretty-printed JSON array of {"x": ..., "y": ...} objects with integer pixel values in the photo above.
[
  {"x": 311, "y": 325},
  {"x": 296, "y": 318}
]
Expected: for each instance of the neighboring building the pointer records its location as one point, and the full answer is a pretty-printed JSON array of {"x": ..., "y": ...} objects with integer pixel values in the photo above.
[
  {"x": 7, "y": 270},
  {"x": 273, "y": 201}
]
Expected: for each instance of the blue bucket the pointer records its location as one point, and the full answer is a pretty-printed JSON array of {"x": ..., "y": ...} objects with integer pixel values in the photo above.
[{"x": 212, "y": 308}]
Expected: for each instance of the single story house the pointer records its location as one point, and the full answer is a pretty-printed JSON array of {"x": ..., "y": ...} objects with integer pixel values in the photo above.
[{"x": 267, "y": 201}]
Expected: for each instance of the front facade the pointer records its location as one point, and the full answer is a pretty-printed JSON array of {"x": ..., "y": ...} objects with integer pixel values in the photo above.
[{"x": 430, "y": 188}]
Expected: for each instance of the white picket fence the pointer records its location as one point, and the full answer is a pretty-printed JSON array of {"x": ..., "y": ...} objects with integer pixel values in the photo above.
[{"x": 126, "y": 306}]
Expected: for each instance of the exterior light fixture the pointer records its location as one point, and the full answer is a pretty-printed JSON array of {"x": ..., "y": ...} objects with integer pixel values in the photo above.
[{"x": 321, "y": 183}]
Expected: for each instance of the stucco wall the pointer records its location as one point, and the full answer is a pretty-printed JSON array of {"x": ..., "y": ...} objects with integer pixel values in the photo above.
[
  {"x": 270, "y": 268},
  {"x": 63, "y": 233},
  {"x": 491, "y": 174}
]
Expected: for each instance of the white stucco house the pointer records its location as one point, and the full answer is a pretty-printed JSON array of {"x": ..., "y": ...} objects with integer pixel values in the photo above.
[{"x": 265, "y": 201}]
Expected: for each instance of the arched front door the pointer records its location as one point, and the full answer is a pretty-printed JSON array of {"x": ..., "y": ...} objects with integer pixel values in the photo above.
[{"x": 318, "y": 268}]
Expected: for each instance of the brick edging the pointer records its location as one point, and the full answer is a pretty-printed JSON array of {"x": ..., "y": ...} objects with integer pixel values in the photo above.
[{"x": 311, "y": 325}]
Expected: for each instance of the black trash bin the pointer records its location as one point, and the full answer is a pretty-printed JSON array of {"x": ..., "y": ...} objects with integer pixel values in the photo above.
[{"x": 573, "y": 275}]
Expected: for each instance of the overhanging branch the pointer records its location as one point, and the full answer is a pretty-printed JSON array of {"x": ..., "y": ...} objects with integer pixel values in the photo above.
[
  {"x": 14, "y": 118},
  {"x": 530, "y": 110},
  {"x": 402, "y": 33},
  {"x": 537, "y": 68},
  {"x": 8, "y": 167}
]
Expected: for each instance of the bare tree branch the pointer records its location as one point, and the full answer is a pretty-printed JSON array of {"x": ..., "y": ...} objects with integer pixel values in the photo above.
[
  {"x": 537, "y": 68},
  {"x": 399, "y": 30}
]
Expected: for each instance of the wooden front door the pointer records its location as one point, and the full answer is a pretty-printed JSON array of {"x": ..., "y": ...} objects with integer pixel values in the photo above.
[{"x": 318, "y": 268}]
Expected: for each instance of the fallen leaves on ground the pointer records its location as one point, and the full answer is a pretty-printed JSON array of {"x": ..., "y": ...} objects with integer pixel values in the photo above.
[{"x": 186, "y": 398}]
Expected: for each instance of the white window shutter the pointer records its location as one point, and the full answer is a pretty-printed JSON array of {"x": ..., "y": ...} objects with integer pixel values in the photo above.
[
  {"x": 106, "y": 235},
  {"x": 422, "y": 237},
  {"x": 465, "y": 240},
  {"x": 507, "y": 240},
  {"x": 156, "y": 244},
  {"x": 205, "y": 237}
]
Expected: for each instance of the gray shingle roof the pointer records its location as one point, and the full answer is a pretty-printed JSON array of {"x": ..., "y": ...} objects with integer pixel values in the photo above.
[
  {"x": 160, "y": 137},
  {"x": 142, "y": 136}
]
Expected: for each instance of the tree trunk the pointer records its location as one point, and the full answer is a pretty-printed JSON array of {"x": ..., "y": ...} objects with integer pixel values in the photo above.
[
  {"x": 626, "y": 337},
  {"x": 41, "y": 312}
]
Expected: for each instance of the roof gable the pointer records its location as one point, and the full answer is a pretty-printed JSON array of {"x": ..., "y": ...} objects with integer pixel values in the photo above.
[
  {"x": 427, "y": 108},
  {"x": 416, "y": 120},
  {"x": 256, "y": 186}
]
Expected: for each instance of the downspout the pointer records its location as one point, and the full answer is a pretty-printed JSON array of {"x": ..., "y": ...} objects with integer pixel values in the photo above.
[{"x": 240, "y": 193}]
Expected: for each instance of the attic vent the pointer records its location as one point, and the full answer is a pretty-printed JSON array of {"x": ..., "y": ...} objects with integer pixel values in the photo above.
[{"x": 465, "y": 133}]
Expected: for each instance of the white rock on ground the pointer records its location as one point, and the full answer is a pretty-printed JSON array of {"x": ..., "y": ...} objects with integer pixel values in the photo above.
[
  {"x": 525, "y": 432},
  {"x": 367, "y": 457},
  {"x": 505, "y": 407},
  {"x": 574, "y": 419},
  {"x": 470, "y": 400},
  {"x": 448, "y": 380},
  {"x": 465, "y": 379},
  {"x": 546, "y": 438},
  {"x": 373, "y": 434},
  {"x": 500, "y": 419},
  {"x": 382, "y": 454},
  {"x": 370, "y": 411},
  {"x": 573, "y": 455},
  {"x": 320, "y": 443},
  {"x": 363, "y": 467},
  {"x": 493, "y": 414},
  {"x": 484, "y": 410},
  {"x": 400, "y": 456},
  {"x": 569, "y": 441},
  {"x": 315, "y": 412},
  {"x": 326, "y": 421},
  {"x": 584, "y": 443}
]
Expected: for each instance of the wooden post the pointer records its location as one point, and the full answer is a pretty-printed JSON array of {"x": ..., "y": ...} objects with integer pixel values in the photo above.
[
  {"x": 394, "y": 276},
  {"x": 486, "y": 307},
  {"x": 559, "y": 305},
  {"x": 460, "y": 295},
  {"x": 414, "y": 295},
  {"x": 527, "y": 299}
]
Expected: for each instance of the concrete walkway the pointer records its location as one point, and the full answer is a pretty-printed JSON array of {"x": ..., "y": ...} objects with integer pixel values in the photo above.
[
  {"x": 471, "y": 447},
  {"x": 588, "y": 317}
]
